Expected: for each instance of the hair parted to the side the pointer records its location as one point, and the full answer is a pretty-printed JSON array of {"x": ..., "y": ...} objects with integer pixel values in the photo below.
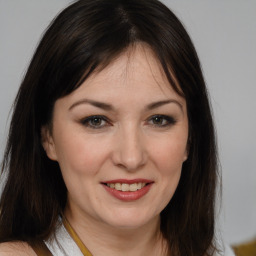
[{"x": 86, "y": 36}]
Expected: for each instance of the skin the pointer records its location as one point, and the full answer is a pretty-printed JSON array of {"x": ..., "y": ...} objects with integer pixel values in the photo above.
[
  {"x": 12, "y": 248},
  {"x": 128, "y": 142}
]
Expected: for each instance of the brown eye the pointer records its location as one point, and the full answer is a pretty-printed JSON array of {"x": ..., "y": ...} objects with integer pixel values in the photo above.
[
  {"x": 158, "y": 120},
  {"x": 95, "y": 122},
  {"x": 161, "y": 120}
]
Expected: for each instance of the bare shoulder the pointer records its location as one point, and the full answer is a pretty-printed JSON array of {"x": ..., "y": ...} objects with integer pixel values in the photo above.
[{"x": 16, "y": 248}]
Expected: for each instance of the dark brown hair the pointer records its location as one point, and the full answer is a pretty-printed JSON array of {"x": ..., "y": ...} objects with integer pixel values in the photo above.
[{"x": 87, "y": 35}]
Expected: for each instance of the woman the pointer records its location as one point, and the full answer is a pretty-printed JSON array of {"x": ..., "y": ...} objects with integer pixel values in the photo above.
[{"x": 111, "y": 148}]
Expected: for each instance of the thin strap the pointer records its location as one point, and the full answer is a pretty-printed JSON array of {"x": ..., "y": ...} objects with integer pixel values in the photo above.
[
  {"x": 75, "y": 237},
  {"x": 40, "y": 248}
]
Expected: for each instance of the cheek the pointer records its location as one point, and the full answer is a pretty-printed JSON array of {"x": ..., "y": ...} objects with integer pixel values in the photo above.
[
  {"x": 80, "y": 154},
  {"x": 169, "y": 158},
  {"x": 170, "y": 155},
  {"x": 170, "y": 167}
]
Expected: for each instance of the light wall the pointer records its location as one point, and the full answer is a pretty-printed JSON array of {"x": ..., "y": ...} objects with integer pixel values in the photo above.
[{"x": 224, "y": 33}]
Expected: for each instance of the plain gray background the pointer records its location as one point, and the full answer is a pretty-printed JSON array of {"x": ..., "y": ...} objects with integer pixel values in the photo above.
[{"x": 224, "y": 33}]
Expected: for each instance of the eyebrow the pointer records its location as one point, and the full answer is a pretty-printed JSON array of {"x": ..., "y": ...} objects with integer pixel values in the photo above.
[
  {"x": 109, "y": 107},
  {"x": 163, "y": 102},
  {"x": 97, "y": 104}
]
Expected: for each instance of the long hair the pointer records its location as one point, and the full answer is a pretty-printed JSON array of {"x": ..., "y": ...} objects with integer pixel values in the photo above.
[{"x": 84, "y": 37}]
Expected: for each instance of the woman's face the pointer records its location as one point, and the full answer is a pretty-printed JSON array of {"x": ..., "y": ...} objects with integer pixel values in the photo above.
[{"x": 120, "y": 140}]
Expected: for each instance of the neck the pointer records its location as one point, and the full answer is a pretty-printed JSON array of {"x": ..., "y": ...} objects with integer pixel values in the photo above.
[{"x": 102, "y": 239}]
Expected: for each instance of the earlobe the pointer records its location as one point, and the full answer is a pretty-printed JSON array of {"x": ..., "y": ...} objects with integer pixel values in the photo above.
[
  {"x": 185, "y": 156},
  {"x": 186, "y": 153},
  {"x": 48, "y": 143},
  {"x": 187, "y": 150}
]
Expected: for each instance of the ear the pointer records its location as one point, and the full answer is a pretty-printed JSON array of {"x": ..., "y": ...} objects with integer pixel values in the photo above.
[
  {"x": 48, "y": 143},
  {"x": 186, "y": 153},
  {"x": 185, "y": 157}
]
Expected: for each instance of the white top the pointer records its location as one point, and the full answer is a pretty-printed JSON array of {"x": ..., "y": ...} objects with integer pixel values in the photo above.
[
  {"x": 62, "y": 244},
  {"x": 229, "y": 251}
]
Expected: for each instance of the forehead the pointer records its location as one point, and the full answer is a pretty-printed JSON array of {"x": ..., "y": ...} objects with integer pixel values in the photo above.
[{"x": 134, "y": 75}]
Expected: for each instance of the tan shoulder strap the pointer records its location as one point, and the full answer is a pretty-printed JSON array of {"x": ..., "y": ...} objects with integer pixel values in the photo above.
[
  {"x": 40, "y": 248},
  {"x": 75, "y": 237}
]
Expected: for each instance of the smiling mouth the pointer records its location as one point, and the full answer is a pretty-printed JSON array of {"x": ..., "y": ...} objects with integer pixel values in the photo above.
[
  {"x": 127, "y": 187},
  {"x": 128, "y": 190}
]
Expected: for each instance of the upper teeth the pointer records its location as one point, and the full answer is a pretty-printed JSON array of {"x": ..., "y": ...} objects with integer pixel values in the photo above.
[{"x": 126, "y": 187}]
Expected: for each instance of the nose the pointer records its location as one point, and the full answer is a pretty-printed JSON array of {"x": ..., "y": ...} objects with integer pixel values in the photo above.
[{"x": 130, "y": 150}]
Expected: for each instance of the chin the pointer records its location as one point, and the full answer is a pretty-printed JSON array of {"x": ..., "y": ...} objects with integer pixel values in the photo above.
[{"x": 130, "y": 219}]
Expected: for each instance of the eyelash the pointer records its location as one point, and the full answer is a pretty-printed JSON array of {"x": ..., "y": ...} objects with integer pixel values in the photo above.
[
  {"x": 167, "y": 120},
  {"x": 88, "y": 121}
]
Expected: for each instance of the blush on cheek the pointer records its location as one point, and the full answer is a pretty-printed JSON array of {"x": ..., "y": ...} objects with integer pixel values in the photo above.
[
  {"x": 171, "y": 160},
  {"x": 86, "y": 160}
]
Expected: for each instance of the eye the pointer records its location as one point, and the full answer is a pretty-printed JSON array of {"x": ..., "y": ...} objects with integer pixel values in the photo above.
[
  {"x": 161, "y": 120},
  {"x": 95, "y": 122}
]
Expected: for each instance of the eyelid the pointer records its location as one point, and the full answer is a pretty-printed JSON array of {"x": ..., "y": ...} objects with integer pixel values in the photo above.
[
  {"x": 85, "y": 121},
  {"x": 170, "y": 120}
]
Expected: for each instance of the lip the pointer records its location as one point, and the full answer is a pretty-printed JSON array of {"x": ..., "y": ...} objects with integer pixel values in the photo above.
[
  {"x": 128, "y": 195},
  {"x": 128, "y": 181}
]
